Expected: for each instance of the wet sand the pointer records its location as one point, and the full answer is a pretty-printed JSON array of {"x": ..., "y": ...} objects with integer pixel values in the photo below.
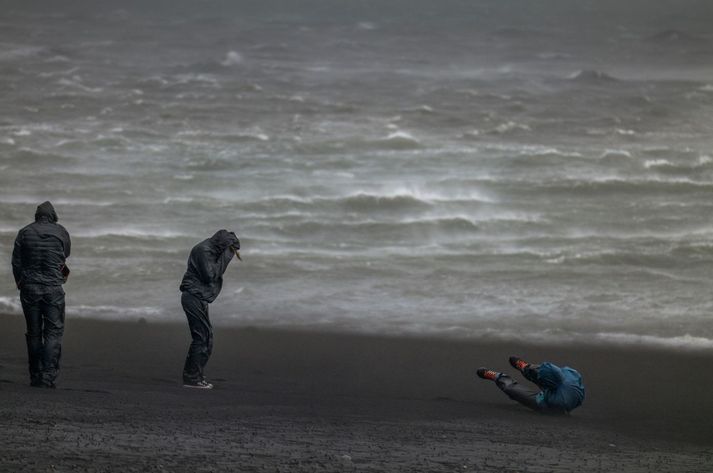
[{"x": 304, "y": 401}]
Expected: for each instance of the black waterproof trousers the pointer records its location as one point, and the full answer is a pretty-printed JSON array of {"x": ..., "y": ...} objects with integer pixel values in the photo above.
[
  {"x": 202, "y": 334},
  {"x": 517, "y": 392},
  {"x": 44, "y": 313}
]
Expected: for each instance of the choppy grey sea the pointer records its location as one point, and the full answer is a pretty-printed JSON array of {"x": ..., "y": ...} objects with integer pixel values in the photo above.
[{"x": 514, "y": 169}]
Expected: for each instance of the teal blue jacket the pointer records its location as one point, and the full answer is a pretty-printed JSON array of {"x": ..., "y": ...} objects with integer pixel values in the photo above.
[{"x": 562, "y": 388}]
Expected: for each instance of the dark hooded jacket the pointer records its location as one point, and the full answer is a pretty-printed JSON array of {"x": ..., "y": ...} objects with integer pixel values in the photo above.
[
  {"x": 207, "y": 263},
  {"x": 40, "y": 250}
]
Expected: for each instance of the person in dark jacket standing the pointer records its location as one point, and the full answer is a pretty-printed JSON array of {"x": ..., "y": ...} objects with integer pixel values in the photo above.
[
  {"x": 39, "y": 267},
  {"x": 200, "y": 286}
]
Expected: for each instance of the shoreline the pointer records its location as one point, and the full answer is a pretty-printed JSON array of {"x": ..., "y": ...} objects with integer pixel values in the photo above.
[
  {"x": 680, "y": 344},
  {"x": 387, "y": 403}
]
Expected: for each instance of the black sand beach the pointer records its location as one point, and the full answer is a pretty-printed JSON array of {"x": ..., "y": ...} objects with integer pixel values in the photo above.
[{"x": 296, "y": 401}]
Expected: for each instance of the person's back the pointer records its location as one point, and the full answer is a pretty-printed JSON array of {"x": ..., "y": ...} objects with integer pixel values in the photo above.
[
  {"x": 38, "y": 265},
  {"x": 41, "y": 249},
  {"x": 206, "y": 264},
  {"x": 562, "y": 388}
]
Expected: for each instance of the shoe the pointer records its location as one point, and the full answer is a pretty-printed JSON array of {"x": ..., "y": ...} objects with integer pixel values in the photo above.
[
  {"x": 202, "y": 384},
  {"x": 485, "y": 373},
  {"x": 518, "y": 363}
]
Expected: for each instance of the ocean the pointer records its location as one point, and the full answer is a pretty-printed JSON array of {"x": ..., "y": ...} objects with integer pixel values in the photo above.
[{"x": 518, "y": 170}]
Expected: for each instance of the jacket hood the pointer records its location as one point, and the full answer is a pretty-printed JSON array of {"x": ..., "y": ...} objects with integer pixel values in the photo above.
[
  {"x": 223, "y": 239},
  {"x": 46, "y": 210},
  {"x": 549, "y": 376}
]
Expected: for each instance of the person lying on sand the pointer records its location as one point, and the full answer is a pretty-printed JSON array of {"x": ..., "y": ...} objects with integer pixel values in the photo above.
[
  {"x": 200, "y": 286},
  {"x": 561, "y": 389}
]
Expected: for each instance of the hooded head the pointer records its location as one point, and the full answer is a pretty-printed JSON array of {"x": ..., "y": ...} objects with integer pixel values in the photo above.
[
  {"x": 223, "y": 239},
  {"x": 46, "y": 211}
]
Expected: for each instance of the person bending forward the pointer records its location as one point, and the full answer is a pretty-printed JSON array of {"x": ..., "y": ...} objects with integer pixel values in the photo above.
[
  {"x": 200, "y": 286},
  {"x": 38, "y": 265}
]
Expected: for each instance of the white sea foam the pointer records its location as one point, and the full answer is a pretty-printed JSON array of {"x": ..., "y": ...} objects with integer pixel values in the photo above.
[
  {"x": 232, "y": 58},
  {"x": 540, "y": 151},
  {"x": 474, "y": 133},
  {"x": 654, "y": 163},
  {"x": 189, "y": 78},
  {"x": 114, "y": 312},
  {"x": 131, "y": 232},
  {"x": 479, "y": 217},
  {"x": 402, "y": 137},
  {"x": 183, "y": 177},
  {"x": 278, "y": 197},
  {"x": 239, "y": 135},
  {"x": 420, "y": 109},
  {"x": 680, "y": 342},
  {"x": 58, "y": 58},
  {"x": 510, "y": 126},
  {"x": 424, "y": 195},
  {"x": 615, "y": 153},
  {"x": 10, "y": 305},
  {"x": 341, "y": 174},
  {"x": 686, "y": 341},
  {"x": 65, "y": 72},
  {"x": 68, "y": 201},
  {"x": 178, "y": 199},
  {"x": 64, "y": 142},
  {"x": 12, "y": 51},
  {"x": 75, "y": 82},
  {"x": 573, "y": 180},
  {"x": 394, "y": 192}
]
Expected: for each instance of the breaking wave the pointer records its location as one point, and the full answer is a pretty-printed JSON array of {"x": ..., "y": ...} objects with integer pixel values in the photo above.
[
  {"x": 592, "y": 76},
  {"x": 10, "y": 305},
  {"x": 115, "y": 312},
  {"x": 400, "y": 140},
  {"x": 129, "y": 232},
  {"x": 546, "y": 337}
]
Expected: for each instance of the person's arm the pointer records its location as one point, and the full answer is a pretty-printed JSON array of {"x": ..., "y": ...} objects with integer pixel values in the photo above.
[
  {"x": 206, "y": 268},
  {"x": 67, "y": 243},
  {"x": 228, "y": 254},
  {"x": 17, "y": 259},
  {"x": 224, "y": 259}
]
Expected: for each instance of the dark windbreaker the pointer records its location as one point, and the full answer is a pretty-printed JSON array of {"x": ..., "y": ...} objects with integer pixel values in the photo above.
[
  {"x": 207, "y": 263},
  {"x": 41, "y": 249}
]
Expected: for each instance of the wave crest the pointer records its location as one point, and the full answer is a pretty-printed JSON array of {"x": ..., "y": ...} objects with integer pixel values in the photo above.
[{"x": 592, "y": 76}]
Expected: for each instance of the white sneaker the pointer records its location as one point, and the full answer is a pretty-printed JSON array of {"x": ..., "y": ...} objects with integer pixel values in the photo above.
[{"x": 203, "y": 384}]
